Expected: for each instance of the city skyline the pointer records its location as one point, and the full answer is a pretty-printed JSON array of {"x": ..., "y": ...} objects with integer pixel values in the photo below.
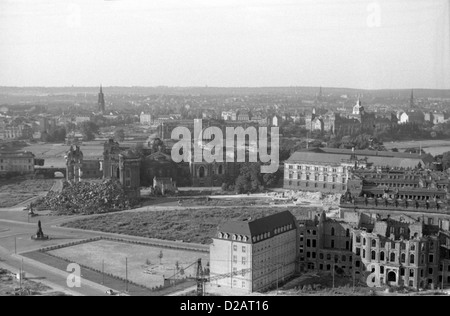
[{"x": 345, "y": 44}]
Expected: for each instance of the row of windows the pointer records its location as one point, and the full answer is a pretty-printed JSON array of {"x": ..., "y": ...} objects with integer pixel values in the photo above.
[
  {"x": 308, "y": 168},
  {"x": 329, "y": 257},
  {"x": 412, "y": 247},
  {"x": 16, "y": 168},
  {"x": 243, "y": 261},
  {"x": 16, "y": 161},
  {"x": 308, "y": 177},
  {"x": 393, "y": 257},
  {"x": 235, "y": 248},
  {"x": 317, "y": 185}
]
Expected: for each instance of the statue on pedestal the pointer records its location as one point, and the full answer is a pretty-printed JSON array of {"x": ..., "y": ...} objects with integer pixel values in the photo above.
[{"x": 39, "y": 234}]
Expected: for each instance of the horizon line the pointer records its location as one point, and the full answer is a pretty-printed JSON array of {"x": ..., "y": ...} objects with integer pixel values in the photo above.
[{"x": 220, "y": 87}]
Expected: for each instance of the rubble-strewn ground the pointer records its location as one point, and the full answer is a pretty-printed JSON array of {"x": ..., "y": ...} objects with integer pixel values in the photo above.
[
  {"x": 10, "y": 286},
  {"x": 87, "y": 198},
  {"x": 196, "y": 225},
  {"x": 16, "y": 191}
]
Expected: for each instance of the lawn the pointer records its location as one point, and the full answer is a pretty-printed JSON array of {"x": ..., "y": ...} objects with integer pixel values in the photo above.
[
  {"x": 144, "y": 265},
  {"x": 196, "y": 226},
  {"x": 15, "y": 191}
]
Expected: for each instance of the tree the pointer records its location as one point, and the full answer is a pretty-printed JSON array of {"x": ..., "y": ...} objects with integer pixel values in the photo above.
[
  {"x": 119, "y": 135},
  {"x": 249, "y": 179},
  {"x": 446, "y": 160},
  {"x": 160, "y": 256},
  {"x": 89, "y": 129},
  {"x": 57, "y": 135}
]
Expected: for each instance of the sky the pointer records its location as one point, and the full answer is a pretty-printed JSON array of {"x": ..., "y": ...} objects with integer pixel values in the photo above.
[{"x": 375, "y": 44}]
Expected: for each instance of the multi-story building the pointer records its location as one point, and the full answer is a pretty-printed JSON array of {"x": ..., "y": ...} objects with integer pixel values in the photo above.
[
  {"x": 377, "y": 251},
  {"x": 145, "y": 119},
  {"x": 315, "y": 171},
  {"x": 327, "y": 169},
  {"x": 397, "y": 253},
  {"x": 325, "y": 245},
  {"x": 21, "y": 131},
  {"x": 22, "y": 163},
  {"x": 398, "y": 190},
  {"x": 254, "y": 255}
]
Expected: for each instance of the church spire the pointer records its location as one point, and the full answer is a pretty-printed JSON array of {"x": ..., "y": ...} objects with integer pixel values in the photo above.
[
  {"x": 101, "y": 100},
  {"x": 411, "y": 100}
]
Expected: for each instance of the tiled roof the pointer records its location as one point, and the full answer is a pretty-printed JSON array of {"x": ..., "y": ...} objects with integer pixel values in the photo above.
[{"x": 260, "y": 226}]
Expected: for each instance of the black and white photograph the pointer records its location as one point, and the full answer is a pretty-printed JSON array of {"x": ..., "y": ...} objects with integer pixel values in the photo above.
[{"x": 232, "y": 155}]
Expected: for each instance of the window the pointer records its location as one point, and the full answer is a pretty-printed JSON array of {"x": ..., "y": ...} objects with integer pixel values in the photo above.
[
  {"x": 234, "y": 247},
  {"x": 235, "y": 259},
  {"x": 381, "y": 269},
  {"x": 358, "y": 251},
  {"x": 374, "y": 243},
  {"x": 403, "y": 258},
  {"x": 347, "y": 233},
  {"x": 411, "y": 273},
  {"x": 411, "y": 259},
  {"x": 332, "y": 231},
  {"x": 358, "y": 239},
  {"x": 314, "y": 243},
  {"x": 430, "y": 258},
  {"x": 392, "y": 258},
  {"x": 402, "y": 271},
  {"x": 244, "y": 260},
  {"x": 364, "y": 253},
  {"x": 347, "y": 245},
  {"x": 373, "y": 255},
  {"x": 321, "y": 256},
  {"x": 332, "y": 243},
  {"x": 364, "y": 241},
  {"x": 308, "y": 242}
]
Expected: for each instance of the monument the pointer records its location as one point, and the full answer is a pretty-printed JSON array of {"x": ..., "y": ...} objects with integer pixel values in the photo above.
[{"x": 39, "y": 234}]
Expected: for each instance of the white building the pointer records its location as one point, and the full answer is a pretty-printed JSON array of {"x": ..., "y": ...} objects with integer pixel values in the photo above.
[
  {"x": 254, "y": 255},
  {"x": 22, "y": 162},
  {"x": 145, "y": 119}
]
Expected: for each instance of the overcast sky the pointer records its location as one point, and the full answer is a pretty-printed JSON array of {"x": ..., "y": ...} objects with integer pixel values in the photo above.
[{"x": 334, "y": 43}]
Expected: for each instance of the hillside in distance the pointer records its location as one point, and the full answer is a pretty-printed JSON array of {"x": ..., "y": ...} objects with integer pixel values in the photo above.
[{"x": 162, "y": 90}]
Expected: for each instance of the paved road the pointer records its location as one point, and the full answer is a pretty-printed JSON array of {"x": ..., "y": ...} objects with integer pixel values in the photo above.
[{"x": 15, "y": 239}]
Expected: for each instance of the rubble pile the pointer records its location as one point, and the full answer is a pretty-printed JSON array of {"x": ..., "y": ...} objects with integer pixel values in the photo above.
[
  {"x": 332, "y": 200},
  {"x": 87, "y": 198}
]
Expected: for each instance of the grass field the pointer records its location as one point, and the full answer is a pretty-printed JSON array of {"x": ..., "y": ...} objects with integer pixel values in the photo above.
[
  {"x": 144, "y": 264},
  {"x": 197, "y": 226},
  {"x": 13, "y": 192}
]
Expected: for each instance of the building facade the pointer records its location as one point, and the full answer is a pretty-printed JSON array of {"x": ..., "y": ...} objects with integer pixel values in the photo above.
[
  {"x": 21, "y": 163},
  {"x": 254, "y": 255}
]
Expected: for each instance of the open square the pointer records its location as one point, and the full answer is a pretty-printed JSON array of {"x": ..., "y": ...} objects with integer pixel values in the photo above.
[{"x": 144, "y": 265}]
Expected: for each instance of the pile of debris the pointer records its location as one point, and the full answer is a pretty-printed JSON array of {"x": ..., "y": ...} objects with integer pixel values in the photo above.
[{"x": 86, "y": 198}]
